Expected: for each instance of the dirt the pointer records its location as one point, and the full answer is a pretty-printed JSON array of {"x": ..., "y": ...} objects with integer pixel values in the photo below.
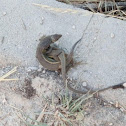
[
  {"x": 27, "y": 90},
  {"x": 29, "y": 95}
]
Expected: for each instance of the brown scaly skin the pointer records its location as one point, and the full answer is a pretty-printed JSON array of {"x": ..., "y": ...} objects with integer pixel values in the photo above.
[{"x": 41, "y": 49}]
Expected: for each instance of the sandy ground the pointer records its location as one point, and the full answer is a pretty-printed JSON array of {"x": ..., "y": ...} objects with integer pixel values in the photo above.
[{"x": 102, "y": 52}]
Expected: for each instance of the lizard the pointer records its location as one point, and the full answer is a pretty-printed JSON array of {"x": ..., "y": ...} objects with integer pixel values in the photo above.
[
  {"x": 42, "y": 48},
  {"x": 44, "y": 53}
]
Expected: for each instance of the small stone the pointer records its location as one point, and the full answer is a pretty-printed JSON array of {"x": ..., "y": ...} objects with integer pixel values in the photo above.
[
  {"x": 95, "y": 38},
  {"x": 43, "y": 71},
  {"x": 111, "y": 103},
  {"x": 73, "y": 27},
  {"x": 4, "y": 13},
  {"x": 42, "y": 20},
  {"x": 70, "y": 78},
  {"x": 40, "y": 66},
  {"x": 105, "y": 103},
  {"x": 121, "y": 109},
  {"x": 84, "y": 84},
  {"x": 110, "y": 124},
  {"x": 124, "y": 84},
  {"x": 56, "y": 100},
  {"x": 4, "y": 99},
  {"x": 112, "y": 35},
  {"x": 39, "y": 69},
  {"x": 95, "y": 75},
  {"x": 85, "y": 113}
]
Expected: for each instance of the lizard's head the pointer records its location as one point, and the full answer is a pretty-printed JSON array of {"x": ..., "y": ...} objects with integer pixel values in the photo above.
[{"x": 55, "y": 37}]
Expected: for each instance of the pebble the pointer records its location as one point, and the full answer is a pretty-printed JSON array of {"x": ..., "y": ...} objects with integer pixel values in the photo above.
[
  {"x": 105, "y": 103},
  {"x": 40, "y": 66},
  {"x": 124, "y": 84},
  {"x": 42, "y": 20},
  {"x": 43, "y": 71},
  {"x": 111, "y": 103},
  {"x": 95, "y": 38},
  {"x": 56, "y": 100},
  {"x": 110, "y": 124},
  {"x": 73, "y": 27},
  {"x": 39, "y": 69},
  {"x": 112, "y": 35},
  {"x": 4, "y": 13},
  {"x": 84, "y": 84},
  {"x": 121, "y": 109}
]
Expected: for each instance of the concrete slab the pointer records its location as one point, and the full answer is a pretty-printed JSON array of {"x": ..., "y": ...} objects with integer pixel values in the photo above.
[{"x": 103, "y": 47}]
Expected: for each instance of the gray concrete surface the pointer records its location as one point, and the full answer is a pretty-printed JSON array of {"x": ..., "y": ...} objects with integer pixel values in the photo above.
[{"x": 103, "y": 47}]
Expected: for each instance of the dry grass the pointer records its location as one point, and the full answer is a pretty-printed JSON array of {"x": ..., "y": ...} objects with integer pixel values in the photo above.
[
  {"x": 59, "y": 111},
  {"x": 114, "y": 8},
  {"x": 4, "y": 77}
]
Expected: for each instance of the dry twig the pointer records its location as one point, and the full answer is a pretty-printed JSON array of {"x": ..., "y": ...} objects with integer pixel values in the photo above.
[{"x": 3, "y": 78}]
